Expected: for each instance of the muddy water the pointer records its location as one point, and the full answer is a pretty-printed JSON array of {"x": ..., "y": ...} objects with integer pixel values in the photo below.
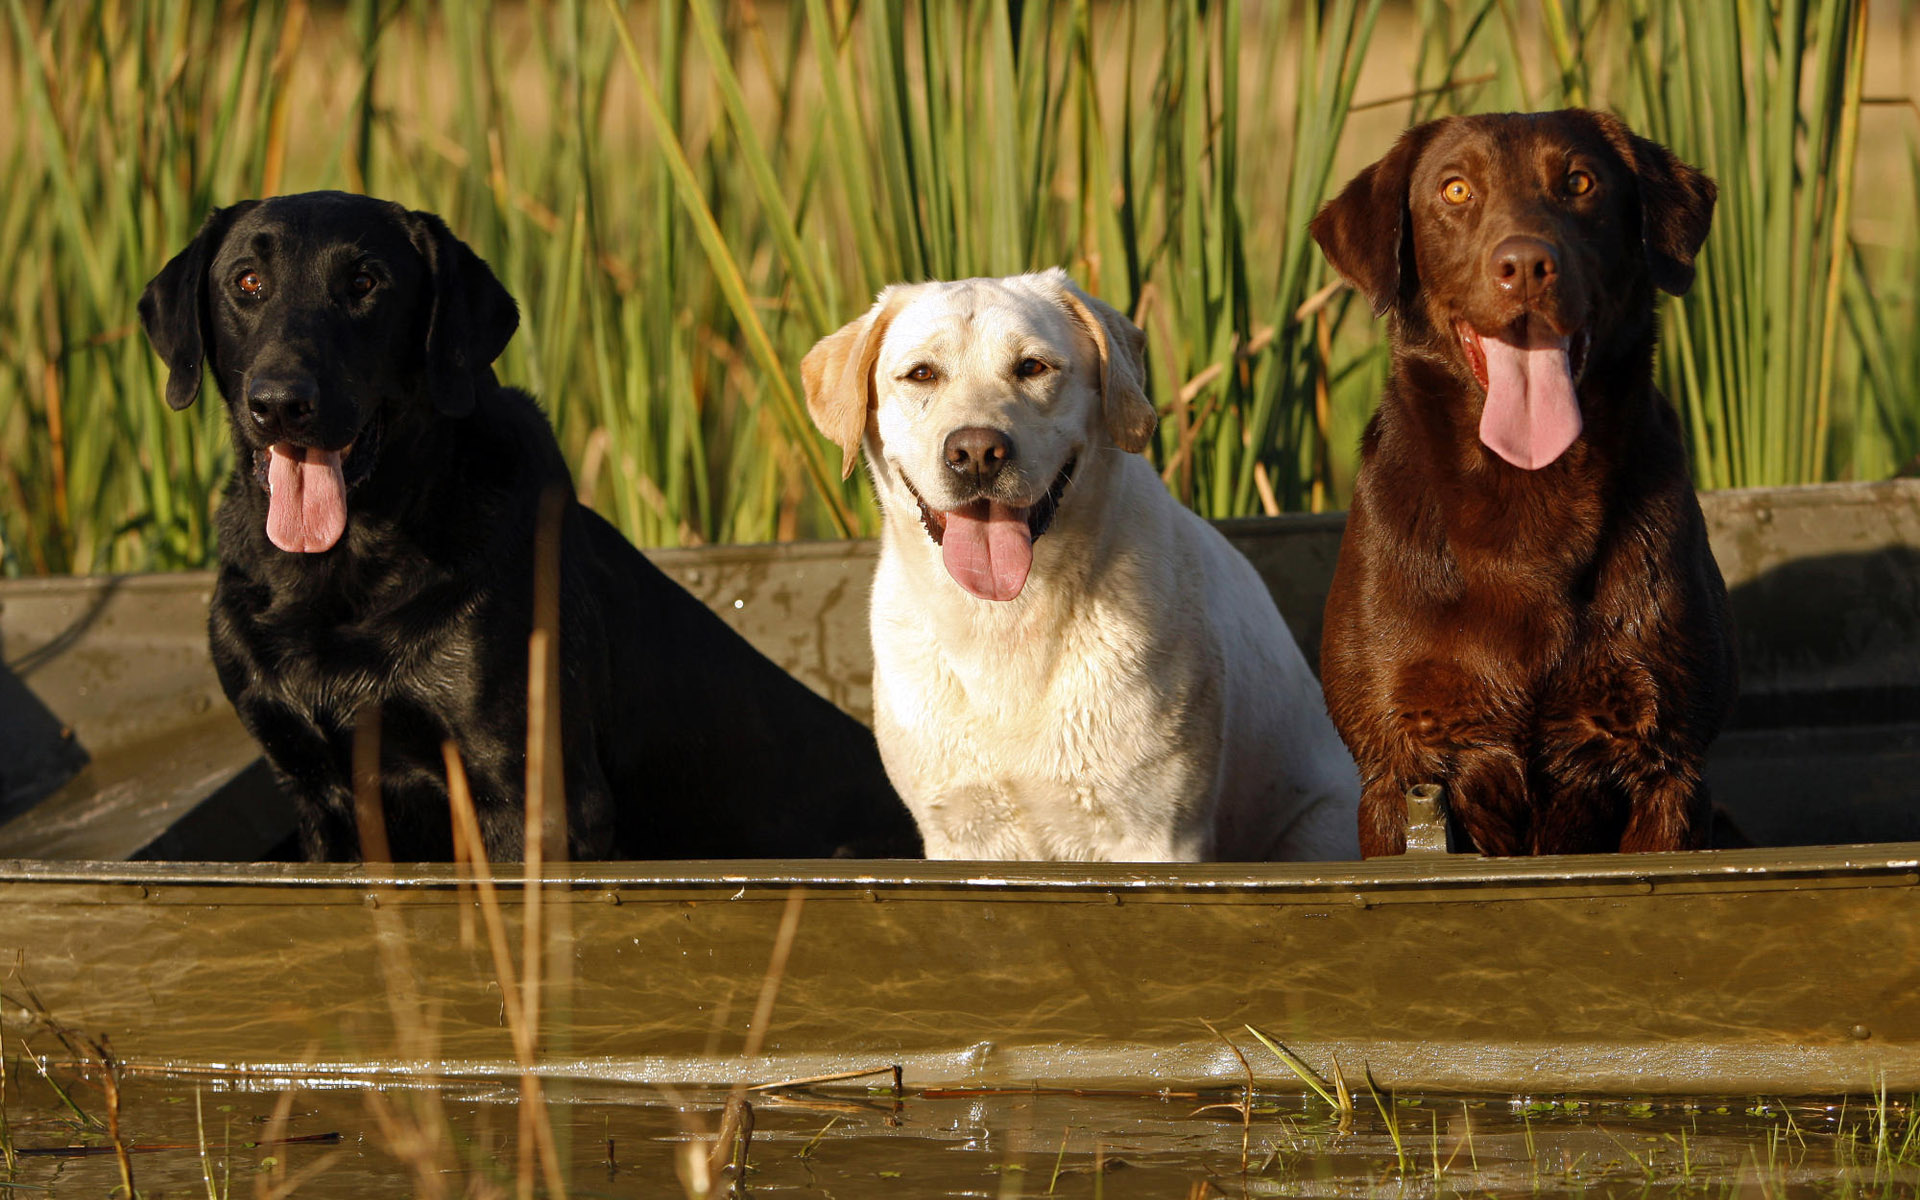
[{"x": 462, "y": 1139}]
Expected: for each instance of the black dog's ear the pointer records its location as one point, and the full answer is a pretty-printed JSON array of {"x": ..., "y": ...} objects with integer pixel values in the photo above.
[
  {"x": 472, "y": 320},
  {"x": 173, "y": 309},
  {"x": 1676, "y": 204},
  {"x": 1363, "y": 230}
]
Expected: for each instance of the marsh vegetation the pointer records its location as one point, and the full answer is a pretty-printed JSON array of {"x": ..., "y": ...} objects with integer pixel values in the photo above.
[{"x": 684, "y": 196}]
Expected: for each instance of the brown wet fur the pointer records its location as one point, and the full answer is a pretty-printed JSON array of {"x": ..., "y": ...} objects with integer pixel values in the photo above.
[{"x": 1550, "y": 646}]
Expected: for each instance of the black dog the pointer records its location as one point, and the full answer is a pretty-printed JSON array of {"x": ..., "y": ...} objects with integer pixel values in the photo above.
[{"x": 377, "y": 548}]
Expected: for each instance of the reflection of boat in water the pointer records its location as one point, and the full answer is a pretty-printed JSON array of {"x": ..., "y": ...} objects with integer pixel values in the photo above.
[{"x": 1788, "y": 968}]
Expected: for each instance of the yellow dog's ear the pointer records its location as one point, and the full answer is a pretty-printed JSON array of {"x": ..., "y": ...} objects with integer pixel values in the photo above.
[
  {"x": 1129, "y": 414},
  {"x": 838, "y": 376}
]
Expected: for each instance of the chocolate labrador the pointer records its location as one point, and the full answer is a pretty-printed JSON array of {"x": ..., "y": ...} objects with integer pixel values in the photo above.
[
  {"x": 377, "y": 546},
  {"x": 1526, "y": 610}
]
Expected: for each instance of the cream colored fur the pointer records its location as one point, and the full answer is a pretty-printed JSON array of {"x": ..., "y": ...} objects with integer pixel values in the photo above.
[{"x": 1141, "y": 699}]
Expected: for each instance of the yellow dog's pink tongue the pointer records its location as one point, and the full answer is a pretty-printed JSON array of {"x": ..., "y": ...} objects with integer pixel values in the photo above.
[
  {"x": 1532, "y": 415},
  {"x": 988, "y": 549},
  {"x": 306, "y": 498}
]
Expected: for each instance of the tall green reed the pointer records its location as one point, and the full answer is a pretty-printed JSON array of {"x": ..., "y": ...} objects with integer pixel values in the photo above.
[
  {"x": 1768, "y": 102},
  {"x": 127, "y": 130},
  {"x": 1882, "y": 301}
]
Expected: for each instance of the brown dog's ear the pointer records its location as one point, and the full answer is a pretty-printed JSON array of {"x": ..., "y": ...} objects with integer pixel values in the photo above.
[
  {"x": 1130, "y": 416},
  {"x": 173, "y": 309},
  {"x": 472, "y": 320},
  {"x": 838, "y": 376},
  {"x": 1676, "y": 204},
  {"x": 1363, "y": 230}
]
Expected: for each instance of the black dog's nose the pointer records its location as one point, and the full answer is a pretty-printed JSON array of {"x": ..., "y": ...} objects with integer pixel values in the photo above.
[
  {"x": 283, "y": 404},
  {"x": 1524, "y": 263},
  {"x": 978, "y": 453}
]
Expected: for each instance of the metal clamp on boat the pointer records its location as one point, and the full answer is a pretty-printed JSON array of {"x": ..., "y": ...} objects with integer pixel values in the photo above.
[{"x": 1428, "y": 831}]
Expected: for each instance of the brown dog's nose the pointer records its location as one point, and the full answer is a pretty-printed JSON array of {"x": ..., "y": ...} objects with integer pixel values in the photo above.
[
  {"x": 978, "y": 453},
  {"x": 1524, "y": 263}
]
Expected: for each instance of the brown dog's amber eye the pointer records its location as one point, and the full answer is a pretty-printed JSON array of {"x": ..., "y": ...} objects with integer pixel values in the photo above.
[
  {"x": 921, "y": 373},
  {"x": 1456, "y": 191},
  {"x": 361, "y": 283},
  {"x": 250, "y": 282},
  {"x": 1028, "y": 368},
  {"x": 1579, "y": 183}
]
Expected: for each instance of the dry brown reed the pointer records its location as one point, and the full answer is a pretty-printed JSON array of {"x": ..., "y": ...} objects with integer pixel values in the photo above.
[
  {"x": 1245, "y": 1107},
  {"x": 369, "y": 814},
  {"x": 537, "y": 1142},
  {"x": 277, "y": 1182},
  {"x": 414, "y": 1130},
  {"x": 6, "y": 1127}
]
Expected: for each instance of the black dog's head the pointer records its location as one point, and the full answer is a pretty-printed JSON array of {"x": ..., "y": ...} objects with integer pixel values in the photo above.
[
  {"x": 1518, "y": 248},
  {"x": 324, "y": 318}
]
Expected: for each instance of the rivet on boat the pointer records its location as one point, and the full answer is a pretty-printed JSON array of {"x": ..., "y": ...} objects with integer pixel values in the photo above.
[
  {"x": 610, "y": 898},
  {"x": 1859, "y": 1033},
  {"x": 1360, "y": 901},
  {"x": 872, "y": 895},
  {"x": 371, "y": 900}
]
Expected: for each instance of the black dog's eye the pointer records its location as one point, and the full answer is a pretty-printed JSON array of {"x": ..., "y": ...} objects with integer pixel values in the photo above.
[
  {"x": 922, "y": 373},
  {"x": 1456, "y": 191},
  {"x": 1029, "y": 368},
  {"x": 250, "y": 283},
  {"x": 361, "y": 283},
  {"x": 1579, "y": 183}
]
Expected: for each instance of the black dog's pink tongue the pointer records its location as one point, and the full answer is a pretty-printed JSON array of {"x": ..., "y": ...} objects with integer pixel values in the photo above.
[
  {"x": 306, "y": 498},
  {"x": 988, "y": 549},
  {"x": 1532, "y": 414}
]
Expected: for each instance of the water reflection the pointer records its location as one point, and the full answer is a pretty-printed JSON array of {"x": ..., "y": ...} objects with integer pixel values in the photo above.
[{"x": 291, "y": 1137}]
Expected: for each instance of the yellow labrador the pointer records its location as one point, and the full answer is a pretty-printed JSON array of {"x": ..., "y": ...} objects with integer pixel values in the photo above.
[{"x": 1068, "y": 664}]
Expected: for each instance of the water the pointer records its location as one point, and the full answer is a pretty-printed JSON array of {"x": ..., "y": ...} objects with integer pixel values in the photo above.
[{"x": 462, "y": 1139}]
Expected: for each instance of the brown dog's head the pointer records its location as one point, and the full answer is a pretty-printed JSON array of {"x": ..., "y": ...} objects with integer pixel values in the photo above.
[{"x": 1521, "y": 248}]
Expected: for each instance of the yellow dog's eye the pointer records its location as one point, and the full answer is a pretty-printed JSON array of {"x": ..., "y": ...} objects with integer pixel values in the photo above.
[
  {"x": 1027, "y": 368},
  {"x": 921, "y": 373},
  {"x": 1456, "y": 191},
  {"x": 1579, "y": 183}
]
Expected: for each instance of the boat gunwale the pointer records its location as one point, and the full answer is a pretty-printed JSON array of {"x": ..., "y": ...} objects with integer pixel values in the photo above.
[{"x": 1863, "y": 865}]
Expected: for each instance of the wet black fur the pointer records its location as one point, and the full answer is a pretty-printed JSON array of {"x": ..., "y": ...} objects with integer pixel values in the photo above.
[{"x": 681, "y": 740}]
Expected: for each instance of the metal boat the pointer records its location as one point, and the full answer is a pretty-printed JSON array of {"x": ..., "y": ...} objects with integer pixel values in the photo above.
[{"x": 133, "y": 903}]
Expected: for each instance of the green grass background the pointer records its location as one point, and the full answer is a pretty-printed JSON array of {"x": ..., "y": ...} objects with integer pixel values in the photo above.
[{"x": 684, "y": 196}]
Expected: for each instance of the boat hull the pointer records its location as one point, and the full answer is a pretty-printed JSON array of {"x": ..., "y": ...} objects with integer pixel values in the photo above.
[
  {"x": 1752, "y": 972},
  {"x": 1782, "y": 970}
]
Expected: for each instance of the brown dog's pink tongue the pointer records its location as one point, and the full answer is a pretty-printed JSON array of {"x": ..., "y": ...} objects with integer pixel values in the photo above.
[
  {"x": 988, "y": 549},
  {"x": 1532, "y": 415},
  {"x": 306, "y": 498}
]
